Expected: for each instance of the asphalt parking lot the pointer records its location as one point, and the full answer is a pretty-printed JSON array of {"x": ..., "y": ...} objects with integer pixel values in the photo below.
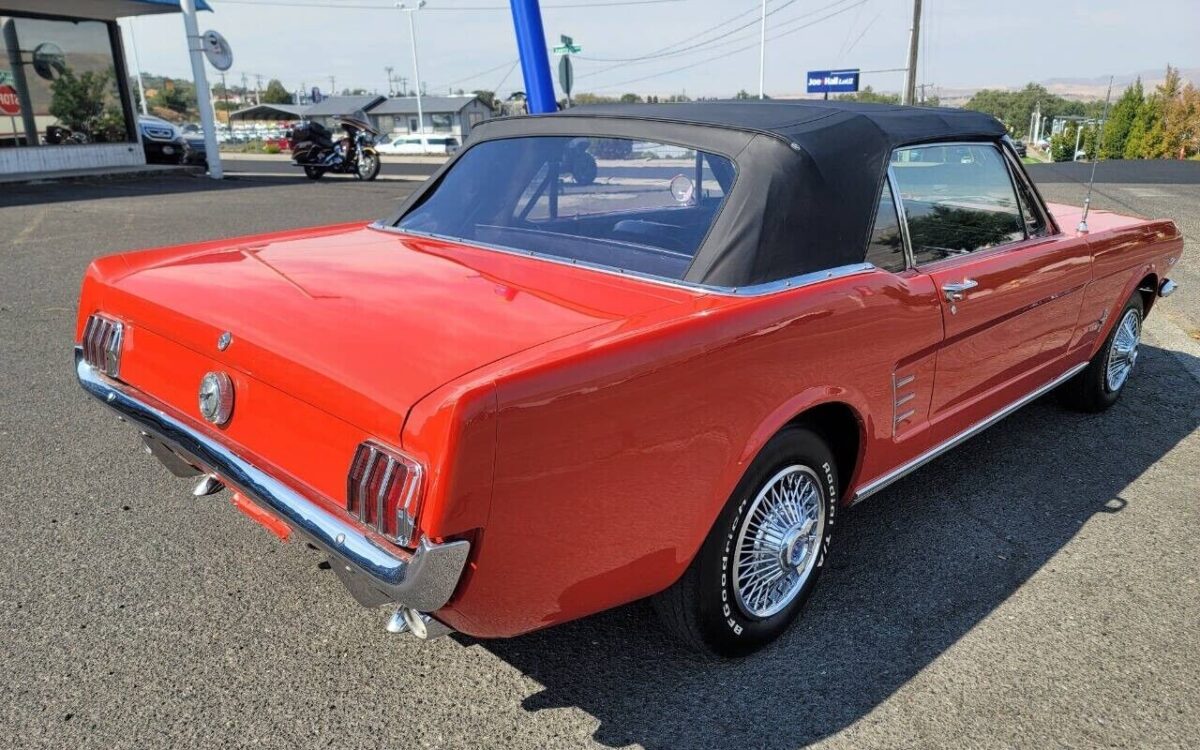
[{"x": 1037, "y": 587}]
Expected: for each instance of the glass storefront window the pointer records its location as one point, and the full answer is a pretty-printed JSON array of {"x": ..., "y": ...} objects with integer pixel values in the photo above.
[{"x": 59, "y": 83}]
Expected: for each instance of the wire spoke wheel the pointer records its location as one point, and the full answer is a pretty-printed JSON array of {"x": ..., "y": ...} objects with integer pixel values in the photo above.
[
  {"x": 779, "y": 541},
  {"x": 1123, "y": 352}
]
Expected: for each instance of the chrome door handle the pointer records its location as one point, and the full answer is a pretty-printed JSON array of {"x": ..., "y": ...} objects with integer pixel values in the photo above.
[{"x": 957, "y": 290}]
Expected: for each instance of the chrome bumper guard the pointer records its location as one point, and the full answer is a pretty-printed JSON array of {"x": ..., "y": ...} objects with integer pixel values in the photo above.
[{"x": 423, "y": 580}]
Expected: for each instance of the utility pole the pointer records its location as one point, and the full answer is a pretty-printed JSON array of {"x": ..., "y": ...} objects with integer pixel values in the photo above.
[
  {"x": 762, "y": 49},
  {"x": 208, "y": 119},
  {"x": 403, "y": 86},
  {"x": 388, "y": 70},
  {"x": 914, "y": 37},
  {"x": 225, "y": 98},
  {"x": 412, "y": 36},
  {"x": 258, "y": 88},
  {"x": 137, "y": 64},
  {"x": 333, "y": 85}
]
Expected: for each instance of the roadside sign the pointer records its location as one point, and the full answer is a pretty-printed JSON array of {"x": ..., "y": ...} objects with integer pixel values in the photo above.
[
  {"x": 832, "y": 81},
  {"x": 10, "y": 103},
  {"x": 6, "y": 77},
  {"x": 217, "y": 50},
  {"x": 568, "y": 46},
  {"x": 316, "y": 95},
  {"x": 566, "y": 74}
]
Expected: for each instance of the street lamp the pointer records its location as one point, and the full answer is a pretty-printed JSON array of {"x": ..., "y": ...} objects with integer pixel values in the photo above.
[{"x": 412, "y": 34}]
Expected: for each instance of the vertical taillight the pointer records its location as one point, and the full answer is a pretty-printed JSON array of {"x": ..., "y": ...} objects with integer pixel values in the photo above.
[
  {"x": 102, "y": 344},
  {"x": 383, "y": 491}
]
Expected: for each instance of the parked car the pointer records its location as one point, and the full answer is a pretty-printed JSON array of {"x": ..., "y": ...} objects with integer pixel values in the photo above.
[
  {"x": 522, "y": 400},
  {"x": 415, "y": 144},
  {"x": 1020, "y": 148},
  {"x": 161, "y": 140}
]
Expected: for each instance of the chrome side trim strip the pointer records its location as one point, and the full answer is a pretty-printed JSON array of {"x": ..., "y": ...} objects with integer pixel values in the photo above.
[
  {"x": 424, "y": 580},
  {"x": 876, "y": 485},
  {"x": 753, "y": 290}
]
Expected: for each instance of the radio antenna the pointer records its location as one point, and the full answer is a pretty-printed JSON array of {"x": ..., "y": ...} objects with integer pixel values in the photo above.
[{"x": 1087, "y": 202}]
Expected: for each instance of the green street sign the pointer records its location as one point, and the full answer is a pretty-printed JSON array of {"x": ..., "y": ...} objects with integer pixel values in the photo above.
[
  {"x": 6, "y": 77},
  {"x": 568, "y": 46}
]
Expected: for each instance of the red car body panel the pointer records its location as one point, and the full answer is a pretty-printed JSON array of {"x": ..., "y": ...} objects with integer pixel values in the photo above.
[{"x": 582, "y": 428}]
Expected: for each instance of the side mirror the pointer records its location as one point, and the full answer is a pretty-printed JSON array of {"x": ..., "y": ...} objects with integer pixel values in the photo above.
[{"x": 683, "y": 190}]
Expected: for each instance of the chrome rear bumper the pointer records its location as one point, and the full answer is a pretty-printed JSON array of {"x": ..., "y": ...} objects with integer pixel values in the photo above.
[{"x": 375, "y": 574}]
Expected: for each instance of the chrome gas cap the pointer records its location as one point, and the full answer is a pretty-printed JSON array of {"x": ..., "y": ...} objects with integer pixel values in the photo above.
[{"x": 216, "y": 397}]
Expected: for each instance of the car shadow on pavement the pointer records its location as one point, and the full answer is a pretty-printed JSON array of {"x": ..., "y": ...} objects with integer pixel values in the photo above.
[{"x": 913, "y": 570}]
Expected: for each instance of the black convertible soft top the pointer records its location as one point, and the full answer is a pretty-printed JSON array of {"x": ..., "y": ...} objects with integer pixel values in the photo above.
[{"x": 809, "y": 172}]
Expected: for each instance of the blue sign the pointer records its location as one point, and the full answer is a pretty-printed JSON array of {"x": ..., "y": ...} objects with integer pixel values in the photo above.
[{"x": 832, "y": 81}]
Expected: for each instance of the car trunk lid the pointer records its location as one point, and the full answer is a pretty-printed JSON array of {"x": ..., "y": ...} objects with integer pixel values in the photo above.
[{"x": 362, "y": 322}]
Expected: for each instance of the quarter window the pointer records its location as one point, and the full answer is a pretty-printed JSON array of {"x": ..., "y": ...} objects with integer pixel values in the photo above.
[
  {"x": 957, "y": 198},
  {"x": 886, "y": 247}
]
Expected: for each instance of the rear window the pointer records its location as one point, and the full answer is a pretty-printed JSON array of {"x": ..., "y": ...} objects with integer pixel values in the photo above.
[{"x": 635, "y": 205}]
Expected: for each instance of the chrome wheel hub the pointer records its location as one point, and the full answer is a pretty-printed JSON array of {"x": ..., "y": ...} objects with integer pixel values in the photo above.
[
  {"x": 779, "y": 541},
  {"x": 1123, "y": 352}
]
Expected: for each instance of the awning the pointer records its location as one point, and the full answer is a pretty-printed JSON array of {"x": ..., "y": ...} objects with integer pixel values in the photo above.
[{"x": 103, "y": 10}]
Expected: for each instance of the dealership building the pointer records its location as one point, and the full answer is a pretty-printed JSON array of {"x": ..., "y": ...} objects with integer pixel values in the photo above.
[{"x": 65, "y": 103}]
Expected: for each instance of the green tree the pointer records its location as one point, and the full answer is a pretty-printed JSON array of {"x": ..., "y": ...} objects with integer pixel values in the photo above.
[
  {"x": 487, "y": 97},
  {"x": 630, "y": 99},
  {"x": 1016, "y": 108},
  {"x": 742, "y": 94},
  {"x": 84, "y": 103},
  {"x": 868, "y": 94},
  {"x": 1139, "y": 145},
  {"x": 172, "y": 96},
  {"x": 587, "y": 98},
  {"x": 1120, "y": 120},
  {"x": 276, "y": 93}
]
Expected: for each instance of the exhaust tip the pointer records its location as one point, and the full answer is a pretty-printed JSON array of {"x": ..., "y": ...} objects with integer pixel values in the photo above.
[
  {"x": 208, "y": 485},
  {"x": 423, "y": 626}
]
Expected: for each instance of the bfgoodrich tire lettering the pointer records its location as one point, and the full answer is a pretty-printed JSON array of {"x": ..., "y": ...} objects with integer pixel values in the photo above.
[{"x": 704, "y": 608}]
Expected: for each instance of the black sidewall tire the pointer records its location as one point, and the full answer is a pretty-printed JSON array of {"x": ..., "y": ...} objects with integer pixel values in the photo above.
[
  {"x": 1088, "y": 391},
  {"x": 314, "y": 173},
  {"x": 725, "y": 628}
]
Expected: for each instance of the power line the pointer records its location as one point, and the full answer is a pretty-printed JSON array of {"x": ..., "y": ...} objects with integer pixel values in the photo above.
[
  {"x": 727, "y": 40},
  {"x": 685, "y": 40},
  {"x": 734, "y": 52},
  {"x": 355, "y": 6}
]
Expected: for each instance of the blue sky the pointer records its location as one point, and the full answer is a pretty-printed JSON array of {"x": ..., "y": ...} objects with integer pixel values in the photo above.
[{"x": 701, "y": 47}]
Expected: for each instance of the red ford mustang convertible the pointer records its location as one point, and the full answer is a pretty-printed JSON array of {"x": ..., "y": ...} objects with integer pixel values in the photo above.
[{"x": 623, "y": 352}]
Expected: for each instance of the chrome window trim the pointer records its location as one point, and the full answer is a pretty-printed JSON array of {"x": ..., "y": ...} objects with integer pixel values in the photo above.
[
  {"x": 875, "y": 485},
  {"x": 1011, "y": 178},
  {"x": 752, "y": 290},
  {"x": 1018, "y": 174},
  {"x": 901, "y": 216}
]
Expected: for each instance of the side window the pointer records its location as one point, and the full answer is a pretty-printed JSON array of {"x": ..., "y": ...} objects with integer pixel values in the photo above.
[
  {"x": 886, "y": 246},
  {"x": 958, "y": 198}
]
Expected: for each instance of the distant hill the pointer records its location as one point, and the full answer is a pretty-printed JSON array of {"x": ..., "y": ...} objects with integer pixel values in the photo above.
[{"x": 1081, "y": 89}]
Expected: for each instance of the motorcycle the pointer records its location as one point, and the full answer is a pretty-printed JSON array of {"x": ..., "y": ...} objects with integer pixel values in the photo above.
[{"x": 314, "y": 148}]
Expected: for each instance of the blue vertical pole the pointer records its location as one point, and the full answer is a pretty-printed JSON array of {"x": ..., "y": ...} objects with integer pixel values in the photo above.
[{"x": 535, "y": 63}]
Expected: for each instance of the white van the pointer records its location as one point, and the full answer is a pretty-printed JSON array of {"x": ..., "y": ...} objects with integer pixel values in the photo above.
[{"x": 411, "y": 144}]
